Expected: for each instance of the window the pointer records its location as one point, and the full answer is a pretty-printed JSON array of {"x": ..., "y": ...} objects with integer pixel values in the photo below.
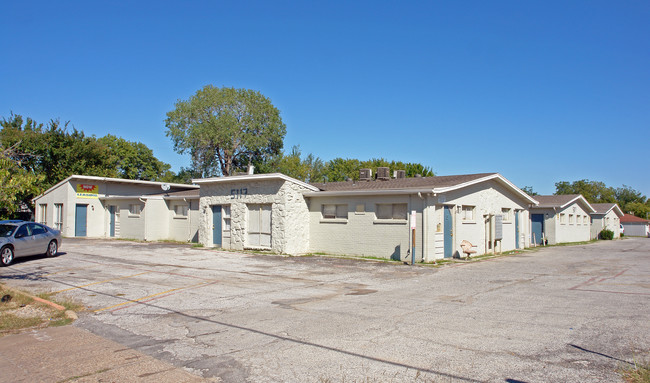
[
  {"x": 225, "y": 213},
  {"x": 361, "y": 208},
  {"x": 37, "y": 229},
  {"x": 331, "y": 211},
  {"x": 181, "y": 210},
  {"x": 42, "y": 214},
  {"x": 570, "y": 219},
  {"x": 467, "y": 213},
  {"x": 562, "y": 218},
  {"x": 505, "y": 212},
  {"x": 58, "y": 216},
  {"x": 392, "y": 211},
  {"x": 135, "y": 209}
]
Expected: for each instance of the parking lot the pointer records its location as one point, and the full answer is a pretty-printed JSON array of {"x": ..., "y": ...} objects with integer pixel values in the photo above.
[{"x": 568, "y": 313}]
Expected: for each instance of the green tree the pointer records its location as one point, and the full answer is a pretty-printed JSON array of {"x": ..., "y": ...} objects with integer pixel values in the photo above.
[
  {"x": 134, "y": 160},
  {"x": 593, "y": 191},
  {"x": 529, "y": 190},
  {"x": 15, "y": 182},
  {"x": 225, "y": 128},
  {"x": 340, "y": 169}
]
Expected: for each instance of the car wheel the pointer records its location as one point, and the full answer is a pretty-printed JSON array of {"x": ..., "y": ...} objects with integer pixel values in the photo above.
[
  {"x": 6, "y": 256},
  {"x": 51, "y": 249}
]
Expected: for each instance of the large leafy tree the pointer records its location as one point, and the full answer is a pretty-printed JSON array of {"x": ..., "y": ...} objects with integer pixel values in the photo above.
[
  {"x": 38, "y": 156},
  {"x": 223, "y": 129},
  {"x": 134, "y": 160},
  {"x": 593, "y": 191},
  {"x": 15, "y": 182}
]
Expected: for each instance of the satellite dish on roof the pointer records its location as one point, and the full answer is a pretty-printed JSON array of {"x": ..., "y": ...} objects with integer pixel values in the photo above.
[{"x": 165, "y": 187}]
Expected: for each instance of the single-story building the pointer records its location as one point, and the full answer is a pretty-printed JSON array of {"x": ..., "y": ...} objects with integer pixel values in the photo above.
[
  {"x": 89, "y": 206},
  {"x": 374, "y": 217},
  {"x": 560, "y": 219},
  {"x": 606, "y": 216},
  {"x": 635, "y": 226}
]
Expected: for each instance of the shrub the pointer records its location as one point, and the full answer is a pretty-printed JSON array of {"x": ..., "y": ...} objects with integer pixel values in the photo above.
[{"x": 606, "y": 234}]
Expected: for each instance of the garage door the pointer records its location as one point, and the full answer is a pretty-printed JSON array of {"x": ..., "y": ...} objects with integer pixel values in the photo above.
[{"x": 259, "y": 225}]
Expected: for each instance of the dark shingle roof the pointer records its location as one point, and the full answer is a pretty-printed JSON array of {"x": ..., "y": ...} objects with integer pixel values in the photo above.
[
  {"x": 555, "y": 200},
  {"x": 401, "y": 183},
  {"x": 602, "y": 208}
]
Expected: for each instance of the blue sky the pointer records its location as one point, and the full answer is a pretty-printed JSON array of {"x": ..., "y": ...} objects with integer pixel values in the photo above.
[{"x": 539, "y": 91}]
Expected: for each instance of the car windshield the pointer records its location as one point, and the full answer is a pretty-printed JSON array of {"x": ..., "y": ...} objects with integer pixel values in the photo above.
[{"x": 6, "y": 230}]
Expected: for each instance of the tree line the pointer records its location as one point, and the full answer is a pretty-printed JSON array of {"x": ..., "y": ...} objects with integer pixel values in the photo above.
[
  {"x": 223, "y": 130},
  {"x": 629, "y": 200}
]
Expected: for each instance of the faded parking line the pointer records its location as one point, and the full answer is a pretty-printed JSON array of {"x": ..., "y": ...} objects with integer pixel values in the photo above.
[
  {"x": 138, "y": 300},
  {"x": 100, "y": 282}
]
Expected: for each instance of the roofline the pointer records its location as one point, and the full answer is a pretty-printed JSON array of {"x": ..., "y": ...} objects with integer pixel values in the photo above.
[
  {"x": 366, "y": 192},
  {"x": 612, "y": 208},
  {"x": 579, "y": 197},
  {"x": 254, "y": 177},
  {"x": 418, "y": 190},
  {"x": 110, "y": 179}
]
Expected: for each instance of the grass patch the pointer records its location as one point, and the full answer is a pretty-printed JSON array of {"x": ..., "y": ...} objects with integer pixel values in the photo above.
[
  {"x": 20, "y": 311},
  {"x": 197, "y": 245},
  {"x": 638, "y": 373}
]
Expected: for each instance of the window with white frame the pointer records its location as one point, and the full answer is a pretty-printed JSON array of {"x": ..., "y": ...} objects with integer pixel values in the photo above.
[
  {"x": 181, "y": 210},
  {"x": 58, "y": 216},
  {"x": 333, "y": 211},
  {"x": 42, "y": 214},
  {"x": 467, "y": 213},
  {"x": 562, "y": 218},
  {"x": 570, "y": 219},
  {"x": 507, "y": 214},
  {"x": 135, "y": 209},
  {"x": 396, "y": 211}
]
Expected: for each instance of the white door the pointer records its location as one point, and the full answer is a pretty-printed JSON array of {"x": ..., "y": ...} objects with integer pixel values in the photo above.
[{"x": 259, "y": 225}]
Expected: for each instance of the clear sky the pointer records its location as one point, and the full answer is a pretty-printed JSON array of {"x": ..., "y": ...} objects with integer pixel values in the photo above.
[{"x": 539, "y": 91}]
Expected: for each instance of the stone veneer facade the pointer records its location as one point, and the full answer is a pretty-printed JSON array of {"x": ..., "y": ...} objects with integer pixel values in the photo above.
[{"x": 289, "y": 212}]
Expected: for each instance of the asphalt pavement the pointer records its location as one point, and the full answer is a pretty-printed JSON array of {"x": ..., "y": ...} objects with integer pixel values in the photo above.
[{"x": 567, "y": 313}]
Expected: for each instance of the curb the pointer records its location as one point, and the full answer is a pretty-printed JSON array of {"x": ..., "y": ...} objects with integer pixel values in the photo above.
[{"x": 52, "y": 304}]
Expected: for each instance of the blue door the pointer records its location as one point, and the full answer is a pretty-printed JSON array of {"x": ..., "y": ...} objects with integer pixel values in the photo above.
[
  {"x": 449, "y": 235},
  {"x": 80, "y": 218},
  {"x": 216, "y": 225},
  {"x": 536, "y": 228},
  {"x": 111, "y": 210},
  {"x": 516, "y": 229}
]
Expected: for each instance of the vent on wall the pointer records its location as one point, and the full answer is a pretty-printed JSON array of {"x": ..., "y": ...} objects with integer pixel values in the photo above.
[
  {"x": 383, "y": 173},
  {"x": 365, "y": 174}
]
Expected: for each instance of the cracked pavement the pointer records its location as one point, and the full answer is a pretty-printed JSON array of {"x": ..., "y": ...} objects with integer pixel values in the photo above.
[{"x": 570, "y": 313}]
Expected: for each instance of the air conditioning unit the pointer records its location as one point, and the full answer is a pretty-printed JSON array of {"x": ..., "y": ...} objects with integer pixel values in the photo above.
[
  {"x": 383, "y": 173},
  {"x": 399, "y": 174},
  {"x": 365, "y": 174}
]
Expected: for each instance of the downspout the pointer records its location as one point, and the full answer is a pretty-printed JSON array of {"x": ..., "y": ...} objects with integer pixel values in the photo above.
[
  {"x": 189, "y": 220},
  {"x": 424, "y": 223},
  {"x": 145, "y": 218}
]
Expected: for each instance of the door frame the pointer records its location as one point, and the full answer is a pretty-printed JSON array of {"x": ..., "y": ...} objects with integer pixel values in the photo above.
[
  {"x": 77, "y": 222},
  {"x": 217, "y": 233},
  {"x": 448, "y": 231}
]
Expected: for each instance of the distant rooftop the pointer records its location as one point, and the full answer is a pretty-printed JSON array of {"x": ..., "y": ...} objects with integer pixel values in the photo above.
[{"x": 401, "y": 183}]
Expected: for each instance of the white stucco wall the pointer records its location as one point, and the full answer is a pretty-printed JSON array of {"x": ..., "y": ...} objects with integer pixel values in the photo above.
[
  {"x": 489, "y": 198},
  {"x": 185, "y": 229},
  {"x": 110, "y": 193},
  {"x": 363, "y": 234},
  {"x": 572, "y": 232},
  {"x": 608, "y": 221},
  {"x": 289, "y": 213}
]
